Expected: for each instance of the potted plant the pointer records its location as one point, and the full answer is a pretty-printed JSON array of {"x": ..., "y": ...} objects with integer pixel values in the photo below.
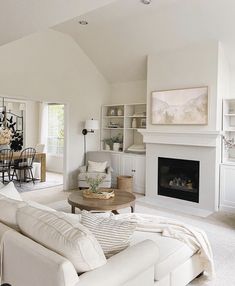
[
  {"x": 117, "y": 141},
  {"x": 108, "y": 143},
  {"x": 94, "y": 192}
]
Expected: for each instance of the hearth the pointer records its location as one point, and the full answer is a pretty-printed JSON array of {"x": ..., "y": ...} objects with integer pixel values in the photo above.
[{"x": 178, "y": 178}]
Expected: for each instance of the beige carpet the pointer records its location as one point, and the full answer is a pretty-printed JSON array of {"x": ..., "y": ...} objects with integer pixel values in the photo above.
[{"x": 220, "y": 228}]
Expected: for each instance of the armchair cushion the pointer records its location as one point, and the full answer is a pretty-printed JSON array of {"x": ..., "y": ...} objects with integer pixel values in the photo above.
[{"x": 99, "y": 167}]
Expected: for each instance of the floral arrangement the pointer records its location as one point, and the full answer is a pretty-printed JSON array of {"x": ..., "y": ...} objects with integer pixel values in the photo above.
[
  {"x": 228, "y": 143},
  {"x": 94, "y": 182},
  {"x": 5, "y": 136}
]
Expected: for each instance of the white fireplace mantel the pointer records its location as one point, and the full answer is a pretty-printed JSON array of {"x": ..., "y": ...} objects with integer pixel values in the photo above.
[{"x": 200, "y": 139}]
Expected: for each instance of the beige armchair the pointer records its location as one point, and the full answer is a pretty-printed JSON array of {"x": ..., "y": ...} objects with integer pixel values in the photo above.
[{"x": 96, "y": 156}]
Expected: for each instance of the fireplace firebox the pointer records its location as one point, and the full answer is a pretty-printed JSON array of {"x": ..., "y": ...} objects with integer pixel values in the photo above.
[{"x": 178, "y": 178}]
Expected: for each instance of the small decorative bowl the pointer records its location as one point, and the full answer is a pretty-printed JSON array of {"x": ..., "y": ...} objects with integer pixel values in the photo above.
[{"x": 102, "y": 194}]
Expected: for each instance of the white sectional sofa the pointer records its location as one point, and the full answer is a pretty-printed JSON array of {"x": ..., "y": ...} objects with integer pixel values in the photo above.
[{"x": 150, "y": 260}]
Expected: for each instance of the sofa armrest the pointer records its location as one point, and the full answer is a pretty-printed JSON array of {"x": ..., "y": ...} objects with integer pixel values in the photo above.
[
  {"x": 82, "y": 169},
  {"x": 124, "y": 266},
  {"x": 26, "y": 262}
]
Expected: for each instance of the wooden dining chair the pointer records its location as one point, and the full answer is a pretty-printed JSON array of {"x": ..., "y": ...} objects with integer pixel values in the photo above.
[
  {"x": 24, "y": 165},
  {"x": 5, "y": 163}
]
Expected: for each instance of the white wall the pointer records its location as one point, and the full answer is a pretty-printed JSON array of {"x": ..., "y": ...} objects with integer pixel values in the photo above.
[
  {"x": 223, "y": 81},
  {"x": 55, "y": 163},
  {"x": 129, "y": 92},
  {"x": 193, "y": 66},
  {"x": 51, "y": 67},
  {"x": 31, "y": 124}
]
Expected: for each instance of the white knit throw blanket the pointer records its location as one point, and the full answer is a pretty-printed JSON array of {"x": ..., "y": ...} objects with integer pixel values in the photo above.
[{"x": 194, "y": 237}]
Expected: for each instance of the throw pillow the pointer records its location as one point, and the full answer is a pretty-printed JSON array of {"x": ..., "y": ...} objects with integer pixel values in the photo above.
[
  {"x": 113, "y": 235},
  {"x": 96, "y": 167},
  {"x": 10, "y": 191},
  {"x": 62, "y": 234},
  {"x": 8, "y": 209}
]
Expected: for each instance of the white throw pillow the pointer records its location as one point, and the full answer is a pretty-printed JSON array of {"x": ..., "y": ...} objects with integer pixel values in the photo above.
[
  {"x": 62, "y": 234},
  {"x": 8, "y": 209},
  {"x": 96, "y": 167},
  {"x": 10, "y": 191},
  {"x": 113, "y": 235}
]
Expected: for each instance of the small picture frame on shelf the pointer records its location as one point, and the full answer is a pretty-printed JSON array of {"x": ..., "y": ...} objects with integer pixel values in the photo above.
[{"x": 143, "y": 123}]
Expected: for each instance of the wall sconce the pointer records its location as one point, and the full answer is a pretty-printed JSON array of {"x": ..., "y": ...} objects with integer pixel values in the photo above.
[{"x": 90, "y": 126}]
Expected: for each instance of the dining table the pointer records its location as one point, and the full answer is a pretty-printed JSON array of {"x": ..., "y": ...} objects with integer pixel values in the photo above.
[{"x": 41, "y": 157}]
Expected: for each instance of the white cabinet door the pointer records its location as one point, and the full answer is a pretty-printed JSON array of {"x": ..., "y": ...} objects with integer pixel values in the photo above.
[
  {"x": 227, "y": 187},
  {"x": 134, "y": 165},
  {"x": 127, "y": 165},
  {"x": 139, "y": 174}
]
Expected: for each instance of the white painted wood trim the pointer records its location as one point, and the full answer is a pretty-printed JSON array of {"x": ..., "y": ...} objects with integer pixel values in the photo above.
[{"x": 201, "y": 139}]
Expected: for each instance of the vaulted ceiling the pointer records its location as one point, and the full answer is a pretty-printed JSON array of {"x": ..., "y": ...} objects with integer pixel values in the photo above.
[
  {"x": 119, "y": 36},
  {"x": 19, "y": 18}
]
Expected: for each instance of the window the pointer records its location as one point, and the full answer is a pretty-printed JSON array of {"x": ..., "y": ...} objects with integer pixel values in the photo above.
[{"x": 55, "y": 139}]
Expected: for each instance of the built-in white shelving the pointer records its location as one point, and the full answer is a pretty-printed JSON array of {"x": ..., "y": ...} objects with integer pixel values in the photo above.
[
  {"x": 122, "y": 121},
  {"x": 228, "y": 130}
]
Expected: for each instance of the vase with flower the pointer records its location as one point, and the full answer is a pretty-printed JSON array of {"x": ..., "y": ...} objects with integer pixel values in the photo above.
[{"x": 5, "y": 138}]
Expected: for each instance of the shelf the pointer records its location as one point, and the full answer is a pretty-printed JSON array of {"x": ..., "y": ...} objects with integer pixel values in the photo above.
[
  {"x": 113, "y": 116},
  {"x": 114, "y": 128},
  {"x": 229, "y": 114},
  {"x": 136, "y": 116},
  {"x": 111, "y": 151},
  {"x": 228, "y": 162},
  {"x": 130, "y": 128},
  {"x": 229, "y": 130}
]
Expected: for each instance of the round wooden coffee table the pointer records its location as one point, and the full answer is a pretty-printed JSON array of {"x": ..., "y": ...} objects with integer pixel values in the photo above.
[{"x": 121, "y": 200}]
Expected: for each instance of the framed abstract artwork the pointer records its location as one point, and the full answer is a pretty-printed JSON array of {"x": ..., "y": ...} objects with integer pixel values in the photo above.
[{"x": 180, "y": 106}]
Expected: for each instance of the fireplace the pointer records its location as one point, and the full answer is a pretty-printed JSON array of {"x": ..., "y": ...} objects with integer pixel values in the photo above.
[{"x": 178, "y": 178}]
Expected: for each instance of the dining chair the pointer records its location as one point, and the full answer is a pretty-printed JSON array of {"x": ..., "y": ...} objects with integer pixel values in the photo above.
[
  {"x": 5, "y": 163},
  {"x": 24, "y": 164},
  {"x": 37, "y": 162}
]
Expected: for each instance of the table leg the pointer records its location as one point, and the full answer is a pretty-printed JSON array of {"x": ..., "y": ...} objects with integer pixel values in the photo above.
[
  {"x": 72, "y": 209},
  {"x": 43, "y": 167}
]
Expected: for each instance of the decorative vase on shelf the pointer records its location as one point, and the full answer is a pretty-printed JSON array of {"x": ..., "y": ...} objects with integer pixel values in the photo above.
[
  {"x": 119, "y": 112},
  {"x": 116, "y": 147},
  {"x": 134, "y": 123},
  {"x": 107, "y": 147}
]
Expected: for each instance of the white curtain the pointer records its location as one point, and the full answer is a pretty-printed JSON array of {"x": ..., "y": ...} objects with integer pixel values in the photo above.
[{"x": 43, "y": 123}]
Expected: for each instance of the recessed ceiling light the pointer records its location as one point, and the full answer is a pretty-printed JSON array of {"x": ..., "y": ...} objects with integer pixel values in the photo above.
[
  {"x": 146, "y": 2},
  {"x": 83, "y": 22}
]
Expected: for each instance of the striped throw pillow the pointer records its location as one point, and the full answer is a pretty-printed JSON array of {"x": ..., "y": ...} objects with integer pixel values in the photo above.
[{"x": 113, "y": 235}]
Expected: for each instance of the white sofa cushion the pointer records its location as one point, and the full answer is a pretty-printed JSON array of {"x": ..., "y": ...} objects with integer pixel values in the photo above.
[
  {"x": 172, "y": 252},
  {"x": 10, "y": 191},
  {"x": 62, "y": 234},
  {"x": 8, "y": 209},
  {"x": 96, "y": 167},
  {"x": 113, "y": 235}
]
